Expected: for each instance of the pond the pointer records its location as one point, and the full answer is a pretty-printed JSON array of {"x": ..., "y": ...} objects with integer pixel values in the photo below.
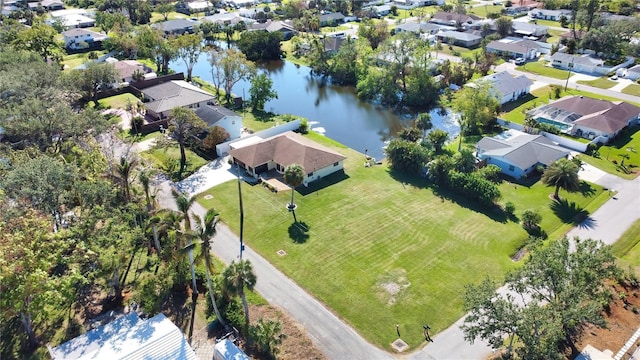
[{"x": 332, "y": 110}]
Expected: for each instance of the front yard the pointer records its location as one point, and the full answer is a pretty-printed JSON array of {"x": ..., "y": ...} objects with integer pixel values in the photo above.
[
  {"x": 381, "y": 249},
  {"x": 602, "y": 83},
  {"x": 632, "y": 89},
  {"x": 627, "y": 144},
  {"x": 540, "y": 68}
]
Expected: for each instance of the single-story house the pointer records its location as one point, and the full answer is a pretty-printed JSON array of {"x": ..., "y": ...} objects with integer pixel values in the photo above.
[
  {"x": 587, "y": 117},
  {"x": 524, "y": 29},
  {"x": 418, "y": 28},
  {"x": 516, "y": 10},
  {"x": 176, "y": 26},
  {"x": 225, "y": 19},
  {"x": 454, "y": 19},
  {"x": 126, "y": 69},
  {"x": 632, "y": 73},
  {"x": 569, "y": 35},
  {"x": 128, "y": 337},
  {"x": 520, "y": 48},
  {"x": 223, "y": 117},
  {"x": 518, "y": 154},
  {"x": 72, "y": 18},
  {"x": 78, "y": 39},
  {"x": 464, "y": 39},
  {"x": 507, "y": 87},
  {"x": 283, "y": 27},
  {"x": 194, "y": 7},
  {"x": 280, "y": 151},
  {"x": 553, "y": 15},
  {"x": 589, "y": 64},
  {"x": 175, "y": 93},
  {"x": 48, "y": 5},
  {"x": 382, "y": 10},
  {"x": 331, "y": 19},
  {"x": 332, "y": 44}
]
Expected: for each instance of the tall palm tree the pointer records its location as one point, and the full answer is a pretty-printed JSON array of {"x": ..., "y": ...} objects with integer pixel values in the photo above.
[
  {"x": 184, "y": 204},
  {"x": 123, "y": 172},
  {"x": 293, "y": 176},
  {"x": 562, "y": 174},
  {"x": 206, "y": 230},
  {"x": 235, "y": 278}
]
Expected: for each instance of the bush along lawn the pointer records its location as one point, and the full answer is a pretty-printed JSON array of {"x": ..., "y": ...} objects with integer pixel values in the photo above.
[{"x": 382, "y": 249}]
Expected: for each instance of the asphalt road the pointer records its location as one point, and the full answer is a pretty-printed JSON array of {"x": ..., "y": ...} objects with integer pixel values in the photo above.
[{"x": 332, "y": 336}]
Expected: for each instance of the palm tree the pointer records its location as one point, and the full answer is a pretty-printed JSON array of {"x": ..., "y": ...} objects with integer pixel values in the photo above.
[
  {"x": 293, "y": 176},
  {"x": 123, "y": 173},
  {"x": 423, "y": 122},
  {"x": 235, "y": 278},
  {"x": 205, "y": 231},
  {"x": 562, "y": 174},
  {"x": 184, "y": 205}
]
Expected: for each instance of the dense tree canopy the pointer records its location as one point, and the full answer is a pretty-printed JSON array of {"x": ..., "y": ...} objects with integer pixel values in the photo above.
[{"x": 260, "y": 45}]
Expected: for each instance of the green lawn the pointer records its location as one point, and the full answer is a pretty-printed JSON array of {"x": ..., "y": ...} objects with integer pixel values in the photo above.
[
  {"x": 632, "y": 89},
  {"x": 540, "y": 68},
  {"x": 627, "y": 248},
  {"x": 129, "y": 137},
  {"x": 75, "y": 60},
  {"x": 118, "y": 101},
  {"x": 157, "y": 17},
  {"x": 554, "y": 36},
  {"x": 371, "y": 230},
  {"x": 602, "y": 83},
  {"x": 168, "y": 160},
  {"x": 482, "y": 11},
  {"x": 549, "y": 23},
  {"x": 627, "y": 143}
]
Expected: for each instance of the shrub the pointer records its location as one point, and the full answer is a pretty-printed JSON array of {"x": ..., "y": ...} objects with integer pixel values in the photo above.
[
  {"x": 509, "y": 208},
  {"x": 267, "y": 336},
  {"x": 304, "y": 126},
  {"x": 531, "y": 220}
]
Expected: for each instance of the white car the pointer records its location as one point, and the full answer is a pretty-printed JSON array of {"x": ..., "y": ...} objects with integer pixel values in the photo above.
[{"x": 519, "y": 61}]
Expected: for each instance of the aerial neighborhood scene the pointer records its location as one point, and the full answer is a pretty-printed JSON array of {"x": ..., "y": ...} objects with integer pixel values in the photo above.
[{"x": 319, "y": 179}]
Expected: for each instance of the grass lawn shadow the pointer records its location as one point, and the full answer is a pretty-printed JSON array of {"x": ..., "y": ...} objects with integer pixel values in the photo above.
[
  {"x": 512, "y": 105},
  {"x": 263, "y": 116},
  {"x": 322, "y": 183},
  {"x": 405, "y": 179},
  {"x": 568, "y": 212},
  {"x": 586, "y": 189},
  {"x": 495, "y": 213},
  {"x": 299, "y": 232}
]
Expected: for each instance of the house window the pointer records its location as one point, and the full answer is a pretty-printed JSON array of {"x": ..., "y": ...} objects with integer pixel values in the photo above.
[
  {"x": 310, "y": 174},
  {"x": 335, "y": 163},
  {"x": 511, "y": 168}
]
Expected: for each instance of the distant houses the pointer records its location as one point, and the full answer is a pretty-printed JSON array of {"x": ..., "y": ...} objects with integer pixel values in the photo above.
[
  {"x": 176, "y": 26},
  {"x": 83, "y": 39},
  {"x": 587, "y": 63},
  {"x": 512, "y": 48},
  {"x": 464, "y": 39},
  {"x": 553, "y": 15}
]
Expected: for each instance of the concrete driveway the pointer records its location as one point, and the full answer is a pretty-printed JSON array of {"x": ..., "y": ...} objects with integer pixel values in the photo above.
[{"x": 214, "y": 173}]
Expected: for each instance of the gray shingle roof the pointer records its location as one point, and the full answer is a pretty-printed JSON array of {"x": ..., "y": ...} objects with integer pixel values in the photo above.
[
  {"x": 286, "y": 149},
  {"x": 415, "y": 27},
  {"x": 576, "y": 59},
  {"x": 519, "y": 47},
  {"x": 522, "y": 150},
  {"x": 175, "y": 93},
  {"x": 462, "y": 36},
  {"x": 212, "y": 114},
  {"x": 175, "y": 25},
  {"x": 504, "y": 83}
]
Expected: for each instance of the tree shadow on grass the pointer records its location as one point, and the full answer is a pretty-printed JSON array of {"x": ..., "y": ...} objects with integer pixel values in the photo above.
[
  {"x": 322, "y": 183},
  {"x": 586, "y": 189},
  {"x": 494, "y": 212},
  {"x": 299, "y": 232},
  {"x": 263, "y": 116},
  {"x": 568, "y": 212},
  {"x": 406, "y": 179}
]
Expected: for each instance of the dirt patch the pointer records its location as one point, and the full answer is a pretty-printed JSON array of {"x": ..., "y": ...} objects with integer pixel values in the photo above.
[
  {"x": 621, "y": 321},
  {"x": 297, "y": 344},
  {"x": 390, "y": 285}
]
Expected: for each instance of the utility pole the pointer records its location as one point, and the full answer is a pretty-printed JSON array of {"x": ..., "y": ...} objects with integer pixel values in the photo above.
[
  {"x": 241, "y": 210},
  {"x": 568, "y": 75}
]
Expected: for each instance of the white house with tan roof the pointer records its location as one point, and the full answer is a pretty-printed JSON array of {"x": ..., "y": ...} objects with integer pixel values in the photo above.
[{"x": 280, "y": 151}]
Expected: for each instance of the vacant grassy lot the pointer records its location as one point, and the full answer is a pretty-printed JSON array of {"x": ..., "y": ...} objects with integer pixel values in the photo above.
[
  {"x": 540, "y": 68},
  {"x": 72, "y": 61},
  {"x": 627, "y": 248},
  {"x": 381, "y": 249},
  {"x": 483, "y": 11},
  {"x": 118, "y": 101},
  {"x": 168, "y": 160},
  {"x": 602, "y": 83},
  {"x": 627, "y": 144},
  {"x": 632, "y": 89}
]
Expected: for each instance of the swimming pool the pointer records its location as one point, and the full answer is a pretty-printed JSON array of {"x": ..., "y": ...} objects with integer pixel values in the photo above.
[{"x": 560, "y": 125}]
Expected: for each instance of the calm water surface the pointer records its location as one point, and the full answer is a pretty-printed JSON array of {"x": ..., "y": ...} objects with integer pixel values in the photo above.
[{"x": 332, "y": 110}]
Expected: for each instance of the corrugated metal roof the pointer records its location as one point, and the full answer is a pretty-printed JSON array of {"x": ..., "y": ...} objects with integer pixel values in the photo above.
[{"x": 129, "y": 337}]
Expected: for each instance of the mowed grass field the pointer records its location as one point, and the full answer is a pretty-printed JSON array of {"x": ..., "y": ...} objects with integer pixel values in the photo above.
[{"x": 382, "y": 250}]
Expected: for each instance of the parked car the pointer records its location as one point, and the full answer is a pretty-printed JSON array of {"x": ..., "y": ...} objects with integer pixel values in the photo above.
[{"x": 519, "y": 61}]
